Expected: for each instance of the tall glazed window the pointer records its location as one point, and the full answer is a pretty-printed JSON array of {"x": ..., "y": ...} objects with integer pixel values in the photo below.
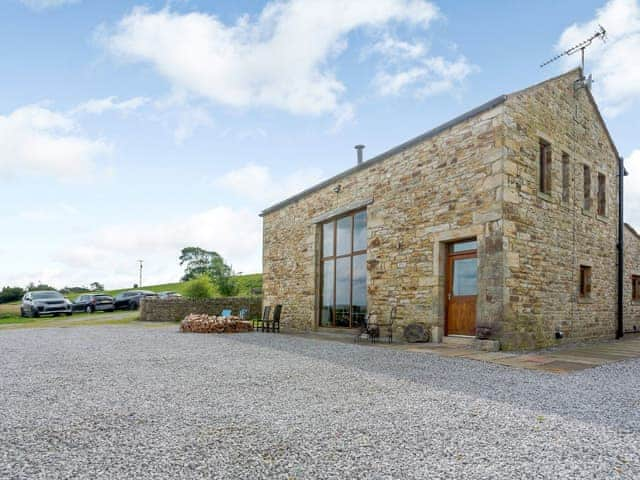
[{"x": 344, "y": 272}]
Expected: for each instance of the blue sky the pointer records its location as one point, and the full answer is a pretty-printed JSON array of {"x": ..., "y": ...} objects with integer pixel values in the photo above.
[{"x": 129, "y": 130}]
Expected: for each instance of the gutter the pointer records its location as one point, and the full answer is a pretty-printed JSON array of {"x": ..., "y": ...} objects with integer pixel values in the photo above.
[{"x": 620, "y": 311}]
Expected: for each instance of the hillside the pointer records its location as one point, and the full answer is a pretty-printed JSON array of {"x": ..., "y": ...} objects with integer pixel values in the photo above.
[{"x": 245, "y": 282}]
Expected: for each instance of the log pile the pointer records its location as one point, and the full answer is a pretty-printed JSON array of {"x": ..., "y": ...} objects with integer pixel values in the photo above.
[{"x": 201, "y": 323}]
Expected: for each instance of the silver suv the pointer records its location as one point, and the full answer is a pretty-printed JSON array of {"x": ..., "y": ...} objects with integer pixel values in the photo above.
[{"x": 48, "y": 302}]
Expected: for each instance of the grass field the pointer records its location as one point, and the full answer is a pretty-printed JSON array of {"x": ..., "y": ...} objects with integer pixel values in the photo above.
[
  {"x": 76, "y": 320},
  {"x": 245, "y": 284},
  {"x": 10, "y": 312}
]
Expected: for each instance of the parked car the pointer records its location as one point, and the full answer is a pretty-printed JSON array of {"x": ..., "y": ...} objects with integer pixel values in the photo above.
[
  {"x": 91, "y": 302},
  {"x": 165, "y": 295},
  {"x": 46, "y": 302},
  {"x": 131, "y": 300}
]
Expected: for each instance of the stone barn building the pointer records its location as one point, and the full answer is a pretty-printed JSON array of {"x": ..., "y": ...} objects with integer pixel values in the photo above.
[{"x": 505, "y": 217}]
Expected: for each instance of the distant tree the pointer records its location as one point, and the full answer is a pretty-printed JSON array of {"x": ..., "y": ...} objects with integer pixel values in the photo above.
[
  {"x": 135, "y": 285},
  {"x": 41, "y": 286},
  {"x": 222, "y": 276},
  {"x": 11, "y": 294},
  {"x": 66, "y": 290},
  {"x": 199, "y": 287},
  {"x": 197, "y": 261},
  {"x": 96, "y": 287}
]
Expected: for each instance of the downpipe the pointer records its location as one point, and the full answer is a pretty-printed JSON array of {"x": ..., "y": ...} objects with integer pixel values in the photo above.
[{"x": 620, "y": 286}]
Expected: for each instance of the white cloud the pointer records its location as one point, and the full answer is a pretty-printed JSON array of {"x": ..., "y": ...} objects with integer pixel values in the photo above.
[
  {"x": 39, "y": 5},
  {"x": 109, "y": 254},
  {"x": 409, "y": 67},
  {"x": 394, "y": 49},
  {"x": 614, "y": 64},
  {"x": 100, "y": 105},
  {"x": 632, "y": 189},
  {"x": 279, "y": 59},
  {"x": 257, "y": 183},
  {"x": 36, "y": 140}
]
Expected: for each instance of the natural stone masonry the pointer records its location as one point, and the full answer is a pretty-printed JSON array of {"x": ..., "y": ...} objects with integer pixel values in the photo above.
[
  {"x": 631, "y": 267},
  {"x": 474, "y": 177},
  {"x": 175, "y": 309}
]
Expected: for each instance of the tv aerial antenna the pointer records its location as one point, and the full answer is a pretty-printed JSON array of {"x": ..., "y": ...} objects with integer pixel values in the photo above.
[{"x": 580, "y": 47}]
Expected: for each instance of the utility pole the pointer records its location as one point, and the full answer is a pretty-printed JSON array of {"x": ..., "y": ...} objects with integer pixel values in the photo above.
[{"x": 140, "y": 281}]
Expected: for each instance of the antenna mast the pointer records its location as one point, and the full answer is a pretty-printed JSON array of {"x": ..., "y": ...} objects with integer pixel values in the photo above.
[{"x": 582, "y": 82}]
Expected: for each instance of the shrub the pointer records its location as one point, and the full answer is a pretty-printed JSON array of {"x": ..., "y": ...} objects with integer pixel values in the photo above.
[
  {"x": 11, "y": 294},
  {"x": 199, "y": 287}
]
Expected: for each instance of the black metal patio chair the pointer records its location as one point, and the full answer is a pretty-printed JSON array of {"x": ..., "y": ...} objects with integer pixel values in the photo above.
[
  {"x": 259, "y": 323},
  {"x": 379, "y": 330},
  {"x": 273, "y": 325}
]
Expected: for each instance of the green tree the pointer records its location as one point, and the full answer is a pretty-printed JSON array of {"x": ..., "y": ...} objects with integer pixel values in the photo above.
[
  {"x": 222, "y": 276},
  {"x": 199, "y": 287},
  {"x": 197, "y": 261},
  {"x": 11, "y": 294},
  {"x": 97, "y": 287}
]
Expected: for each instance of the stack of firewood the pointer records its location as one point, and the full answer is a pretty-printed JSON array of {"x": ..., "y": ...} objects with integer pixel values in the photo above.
[{"x": 202, "y": 323}]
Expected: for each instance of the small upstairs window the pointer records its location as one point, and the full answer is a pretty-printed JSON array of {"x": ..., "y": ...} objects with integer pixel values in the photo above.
[
  {"x": 566, "y": 178},
  {"x": 544, "y": 185},
  {"x": 635, "y": 288},
  {"x": 585, "y": 281},
  {"x": 602, "y": 194},
  {"x": 587, "y": 187}
]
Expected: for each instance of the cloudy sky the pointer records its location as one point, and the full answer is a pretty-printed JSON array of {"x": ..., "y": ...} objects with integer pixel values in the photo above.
[{"x": 132, "y": 129}]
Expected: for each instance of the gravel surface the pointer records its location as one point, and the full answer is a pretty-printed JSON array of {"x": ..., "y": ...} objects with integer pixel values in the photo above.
[{"x": 134, "y": 402}]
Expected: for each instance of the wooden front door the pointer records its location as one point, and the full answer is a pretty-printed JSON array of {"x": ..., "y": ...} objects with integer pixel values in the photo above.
[{"x": 461, "y": 288}]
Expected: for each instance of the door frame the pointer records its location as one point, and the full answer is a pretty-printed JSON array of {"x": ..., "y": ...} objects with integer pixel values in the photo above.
[{"x": 448, "y": 277}]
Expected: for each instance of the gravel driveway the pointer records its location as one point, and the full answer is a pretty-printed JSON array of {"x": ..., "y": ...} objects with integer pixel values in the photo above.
[{"x": 134, "y": 402}]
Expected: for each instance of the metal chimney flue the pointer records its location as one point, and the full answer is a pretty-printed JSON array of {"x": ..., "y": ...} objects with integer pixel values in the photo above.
[{"x": 359, "y": 148}]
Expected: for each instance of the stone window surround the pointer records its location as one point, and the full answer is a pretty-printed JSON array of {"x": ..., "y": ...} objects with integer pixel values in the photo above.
[
  {"x": 590, "y": 298},
  {"x": 606, "y": 202},
  {"x": 557, "y": 150},
  {"x": 634, "y": 277},
  {"x": 441, "y": 240}
]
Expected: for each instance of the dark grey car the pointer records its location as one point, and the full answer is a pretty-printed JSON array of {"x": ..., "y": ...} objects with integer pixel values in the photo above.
[
  {"x": 47, "y": 302},
  {"x": 91, "y": 302},
  {"x": 131, "y": 300}
]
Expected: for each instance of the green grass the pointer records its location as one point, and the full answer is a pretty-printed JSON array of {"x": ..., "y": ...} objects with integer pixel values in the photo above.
[
  {"x": 76, "y": 320},
  {"x": 11, "y": 319}
]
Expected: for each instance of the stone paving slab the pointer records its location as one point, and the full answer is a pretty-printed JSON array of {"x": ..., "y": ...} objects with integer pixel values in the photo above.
[{"x": 561, "y": 360}]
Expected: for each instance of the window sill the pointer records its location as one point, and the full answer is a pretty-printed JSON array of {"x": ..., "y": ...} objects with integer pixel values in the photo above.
[
  {"x": 545, "y": 196},
  {"x": 587, "y": 212},
  {"x": 635, "y": 302},
  {"x": 585, "y": 300},
  {"x": 602, "y": 218}
]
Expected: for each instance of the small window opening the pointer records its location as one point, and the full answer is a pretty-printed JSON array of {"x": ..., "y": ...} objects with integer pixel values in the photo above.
[
  {"x": 585, "y": 281},
  {"x": 587, "y": 187},
  {"x": 602, "y": 195},
  {"x": 545, "y": 167},
  {"x": 566, "y": 177}
]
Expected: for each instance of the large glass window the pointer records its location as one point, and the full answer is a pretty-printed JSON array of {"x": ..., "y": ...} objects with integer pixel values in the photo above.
[{"x": 344, "y": 271}]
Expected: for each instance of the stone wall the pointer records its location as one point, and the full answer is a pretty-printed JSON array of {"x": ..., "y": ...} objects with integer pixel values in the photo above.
[
  {"x": 631, "y": 267},
  {"x": 444, "y": 188},
  {"x": 546, "y": 239},
  {"x": 175, "y": 309}
]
